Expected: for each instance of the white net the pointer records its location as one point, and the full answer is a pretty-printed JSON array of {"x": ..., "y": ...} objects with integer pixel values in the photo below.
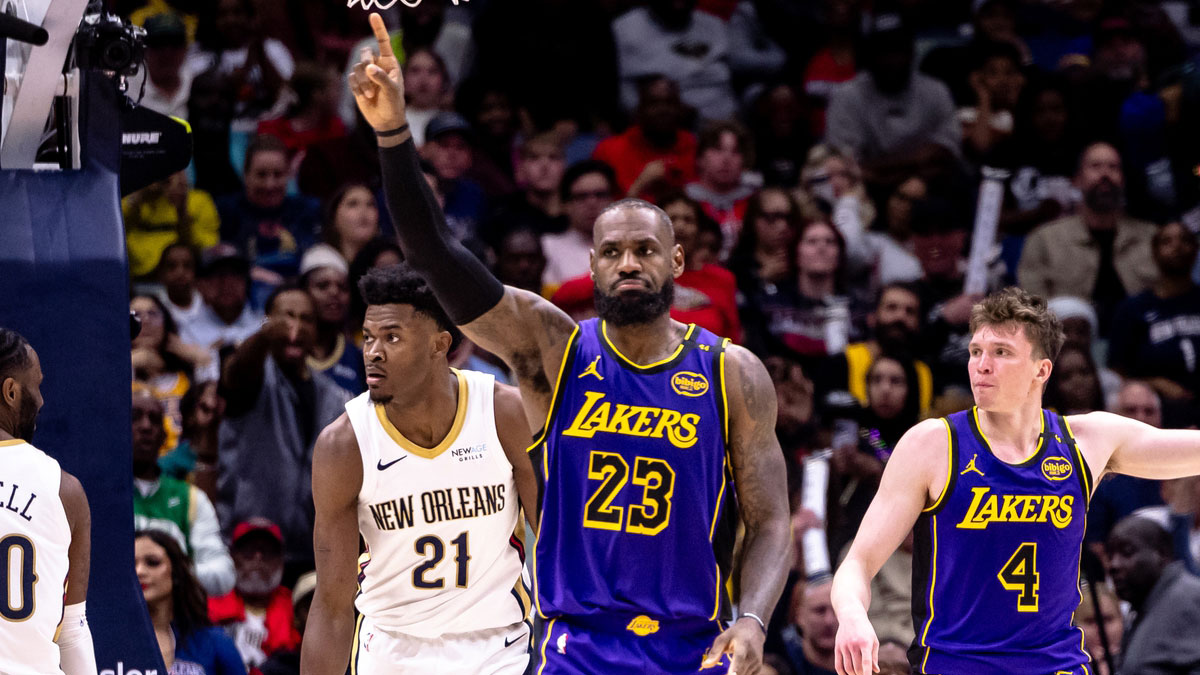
[{"x": 380, "y": 4}]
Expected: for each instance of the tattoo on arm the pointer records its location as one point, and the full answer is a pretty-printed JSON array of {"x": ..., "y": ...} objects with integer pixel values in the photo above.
[{"x": 760, "y": 480}]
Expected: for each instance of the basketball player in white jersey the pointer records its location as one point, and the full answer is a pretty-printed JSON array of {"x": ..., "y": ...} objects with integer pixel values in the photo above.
[
  {"x": 427, "y": 465},
  {"x": 45, "y": 535}
]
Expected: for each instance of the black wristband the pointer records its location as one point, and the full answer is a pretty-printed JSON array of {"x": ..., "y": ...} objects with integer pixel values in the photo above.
[{"x": 392, "y": 132}]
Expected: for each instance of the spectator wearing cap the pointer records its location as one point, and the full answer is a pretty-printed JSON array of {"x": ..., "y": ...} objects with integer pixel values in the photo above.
[
  {"x": 656, "y": 150},
  {"x": 1164, "y": 632},
  {"x": 168, "y": 83},
  {"x": 897, "y": 122},
  {"x": 226, "y": 317},
  {"x": 1082, "y": 328},
  {"x": 448, "y": 139},
  {"x": 171, "y": 505},
  {"x": 272, "y": 227},
  {"x": 723, "y": 152},
  {"x": 257, "y": 614},
  {"x": 287, "y": 661},
  {"x": 1100, "y": 253},
  {"x": 324, "y": 274},
  {"x": 1156, "y": 333},
  {"x": 312, "y": 117},
  {"x": 672, "y": 36},
  {"x": 275, "y": 407},
  {"x": 587, "y": 187},
  {"x": 163, "y": 213}
]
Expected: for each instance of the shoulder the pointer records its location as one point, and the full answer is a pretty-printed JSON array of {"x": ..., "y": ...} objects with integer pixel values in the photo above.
[
  {"x": 925, "y": 84},
  {"x": 74, "y": 499},
  {"x": 1095, "y": 425},
  {"x": 636, "y": 17},
  {"x": 337, "y": 440},
  {"x": 746, "y": 376},
  {"x": 1141, "y": 228},
  {"x": 507, "y": 399}
]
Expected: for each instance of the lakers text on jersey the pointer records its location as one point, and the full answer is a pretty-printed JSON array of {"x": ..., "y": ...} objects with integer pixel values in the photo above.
[
  {"x": 996, "y": 559},
  {"x": 637, "y": 508},
  {"x": 34, "y": 539},
  {"x": 439, "y": 523}
]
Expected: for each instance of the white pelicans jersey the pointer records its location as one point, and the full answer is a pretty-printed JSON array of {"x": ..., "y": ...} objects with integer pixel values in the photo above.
[
  {"x": 34, "y": 540},
  {"x": 439, "y": 523}
]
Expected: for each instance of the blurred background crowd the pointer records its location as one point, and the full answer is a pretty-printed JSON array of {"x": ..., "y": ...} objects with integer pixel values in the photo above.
[{"x": 821, "y": 161}]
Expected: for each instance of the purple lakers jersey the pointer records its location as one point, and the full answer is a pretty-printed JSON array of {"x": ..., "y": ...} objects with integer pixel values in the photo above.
[
  {"x": 638, "y": 512},
  {"x": 996, "y": 559}
]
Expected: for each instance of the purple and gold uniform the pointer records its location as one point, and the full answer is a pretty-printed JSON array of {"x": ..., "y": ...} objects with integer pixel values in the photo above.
[
  {"x": 996, "y": 559},
  {"x": 631, "y": 565}
]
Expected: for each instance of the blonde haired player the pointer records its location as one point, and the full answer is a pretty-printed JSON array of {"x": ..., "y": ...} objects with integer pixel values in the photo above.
[
  {"x": 998, "y": 495},
  {"x": 427, "y": 466},
  {"x": 45, "y": 535}
]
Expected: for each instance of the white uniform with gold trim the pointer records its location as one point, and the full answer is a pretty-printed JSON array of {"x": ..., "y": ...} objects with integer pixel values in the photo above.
[
  {"x": 34, "y": 539},
  {"x": 441, "y": 581}
]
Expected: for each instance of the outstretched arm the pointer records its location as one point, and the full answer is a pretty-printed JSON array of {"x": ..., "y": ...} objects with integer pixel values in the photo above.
[
  {"x": 522, "y": 328},
  {"x": 760, "y": 477},
  {"x": 921, "y": 459},
  {"x": 337, "y": 479},
  {"x": 1122, "y": 445}
]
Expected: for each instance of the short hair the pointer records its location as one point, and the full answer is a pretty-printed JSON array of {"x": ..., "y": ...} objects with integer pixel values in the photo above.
[
  {"x": 632, "y": 204},
  {"x": 909, "y": 287},
  {"x": 989, "y": 50},
  {"x": 287, "y": 286},
  {"x": 14, "y": 353},
  {"x": 1015, "y": 305},
  {"x": 401, "y": 285},
  {"x": 263, "y": 143},
  {"x": 542, "y": 139},
  {"x": 710, "y": 138},
  {"x": 582, "y": 168},
  {"x": 193, "y": 252}
]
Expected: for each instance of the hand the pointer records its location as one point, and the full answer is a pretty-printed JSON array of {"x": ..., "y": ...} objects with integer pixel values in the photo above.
[
  {"x": 744, "y": 642},
  {"x": 377, "y": 84},
  {"x": 856, "y": 650},
  {"x": 199, "y": 357},
  {"x": 147, "y": 362},
  {"x": 175, "y": 189},
  {"x": 775, "y": 266},
  {"x": 651, "y": 174}
]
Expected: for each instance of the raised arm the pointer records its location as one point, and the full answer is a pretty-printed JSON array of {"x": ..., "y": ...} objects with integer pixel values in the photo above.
[
  {"x": 520, "y": 327},
  {"x": 76, "y": 653},
  {"x": 336, "y": 481},
  {"x": 919, "y": 461},
  {"x": 760, "y": 477},
  {"x": 1122, "y": 445},
  {"x": 515, "y": 436}
]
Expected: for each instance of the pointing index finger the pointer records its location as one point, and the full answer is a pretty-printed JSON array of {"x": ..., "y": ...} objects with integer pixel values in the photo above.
[{"x": 381, "y": 35}]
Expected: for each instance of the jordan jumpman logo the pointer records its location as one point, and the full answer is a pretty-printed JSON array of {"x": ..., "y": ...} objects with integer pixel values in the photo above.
[
  {"x": 971, "y": 467},
  {"x": 591, "y": 370}
]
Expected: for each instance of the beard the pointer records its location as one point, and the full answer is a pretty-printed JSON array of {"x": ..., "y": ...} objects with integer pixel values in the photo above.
[
  {"x": 26, "y": 417},
  {"x": 380, "y": 397},
  {"x": 1104, "y": 197},
  {"x": 894, "y": 337},
  {"x": 627, "y": 309},
  {"x": 255, "y": 582}
]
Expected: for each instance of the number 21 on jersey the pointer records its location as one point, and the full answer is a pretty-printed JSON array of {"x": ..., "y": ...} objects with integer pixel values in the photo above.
[{"x": 654, "y": 476}]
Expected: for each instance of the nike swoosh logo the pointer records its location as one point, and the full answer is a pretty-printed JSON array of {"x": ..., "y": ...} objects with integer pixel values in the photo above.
[
  {"x": 508, "y": 643},
  {"x": 381, "y": 466}
]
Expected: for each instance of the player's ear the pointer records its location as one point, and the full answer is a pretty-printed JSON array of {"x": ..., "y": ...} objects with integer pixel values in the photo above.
[
  {"x": 1045, "y": 367},
  {"x": 677, "y": 260},
  {"x": 8, "y": 389},
  {"x": 442, "y": 342}
]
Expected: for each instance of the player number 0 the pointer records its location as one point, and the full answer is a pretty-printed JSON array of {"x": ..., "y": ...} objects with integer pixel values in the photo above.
[{"x": 23, "y": 608}]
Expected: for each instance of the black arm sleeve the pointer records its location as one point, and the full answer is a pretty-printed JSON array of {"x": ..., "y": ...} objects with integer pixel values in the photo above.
[{"x": 463, "y": 285}]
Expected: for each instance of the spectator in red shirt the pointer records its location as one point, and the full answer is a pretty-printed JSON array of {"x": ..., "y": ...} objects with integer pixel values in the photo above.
[
  {"x": 722, "y": 154},
  {"x": 656, "y": 150},
  {"x": 257, "y": 614},
  {"x": 313, "y": 117},
  {"x": 705, "y": 293}
]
